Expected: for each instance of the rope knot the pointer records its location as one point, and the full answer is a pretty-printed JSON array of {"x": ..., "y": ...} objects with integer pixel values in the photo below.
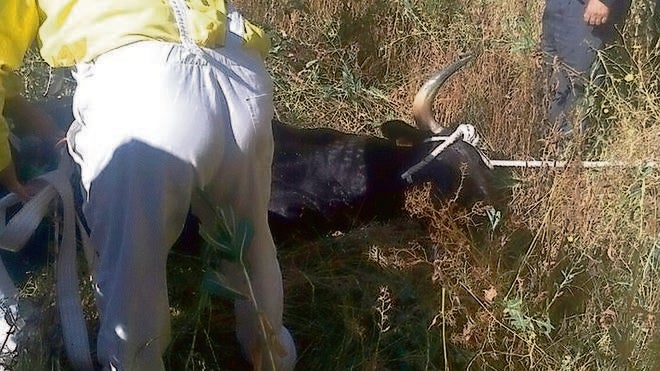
[{"x": 465, "y": 132}]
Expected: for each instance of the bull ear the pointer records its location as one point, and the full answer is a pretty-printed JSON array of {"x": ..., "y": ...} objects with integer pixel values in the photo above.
[{"x": 403, "y": 134}]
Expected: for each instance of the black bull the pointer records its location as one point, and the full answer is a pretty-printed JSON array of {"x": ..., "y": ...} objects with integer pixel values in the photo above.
[{"x": 325, "y": 180}]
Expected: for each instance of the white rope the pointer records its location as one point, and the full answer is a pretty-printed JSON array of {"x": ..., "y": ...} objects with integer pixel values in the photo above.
[
  {"x": 468, "y": 134},
  {"x": 465, "y": 132},
  {"x": 21, "y": 227},
  {"x": 69, "y": 303},
  {"x": 585, "y": 164}
]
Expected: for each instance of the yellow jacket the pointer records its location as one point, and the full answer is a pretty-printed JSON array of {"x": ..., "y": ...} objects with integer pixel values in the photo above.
[{"x": 72, "y": 31}]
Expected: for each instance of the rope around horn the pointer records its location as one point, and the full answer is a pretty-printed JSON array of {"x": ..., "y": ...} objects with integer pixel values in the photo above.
[{"x": 468, "y": 134}]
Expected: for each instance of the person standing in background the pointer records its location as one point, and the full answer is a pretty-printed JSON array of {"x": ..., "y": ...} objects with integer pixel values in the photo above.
[
  {"x": 573, "y": 31},
  {"x": 173, "y": 104}
]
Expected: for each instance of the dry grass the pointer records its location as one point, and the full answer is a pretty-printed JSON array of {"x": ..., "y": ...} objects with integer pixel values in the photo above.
[{"x": 568, "y": 277}]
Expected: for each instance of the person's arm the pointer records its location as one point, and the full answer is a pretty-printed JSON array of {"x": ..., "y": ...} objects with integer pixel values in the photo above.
[
  {"x": 19, "y": 21},
  {"x": 28, "y": 118},
  {"x": 597, "y": 12}
]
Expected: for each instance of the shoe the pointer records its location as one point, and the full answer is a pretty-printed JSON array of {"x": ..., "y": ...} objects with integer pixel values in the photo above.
[{"x": 282, "y": 347}]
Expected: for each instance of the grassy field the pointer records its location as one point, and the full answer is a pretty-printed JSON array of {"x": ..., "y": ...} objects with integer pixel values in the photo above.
[{"x": 567, "y": 278}]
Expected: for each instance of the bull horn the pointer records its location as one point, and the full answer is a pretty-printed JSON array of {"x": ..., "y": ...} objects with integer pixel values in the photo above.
[{"x": 423, "y": 103}]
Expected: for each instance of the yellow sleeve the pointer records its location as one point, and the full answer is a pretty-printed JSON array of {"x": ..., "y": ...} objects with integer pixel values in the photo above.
[
  {"x": 19, "y": 21},
  {"x": 255, "y": 38}
]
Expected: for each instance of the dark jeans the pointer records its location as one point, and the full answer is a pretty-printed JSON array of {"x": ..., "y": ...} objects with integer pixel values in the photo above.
[{"x": 570, "y": 47}]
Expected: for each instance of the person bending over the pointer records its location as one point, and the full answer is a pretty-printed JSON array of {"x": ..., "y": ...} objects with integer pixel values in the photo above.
[{"x": 173, "y": 105}]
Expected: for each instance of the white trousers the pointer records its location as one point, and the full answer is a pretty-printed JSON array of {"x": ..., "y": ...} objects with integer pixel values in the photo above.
[{"x": 156, "y": 123}]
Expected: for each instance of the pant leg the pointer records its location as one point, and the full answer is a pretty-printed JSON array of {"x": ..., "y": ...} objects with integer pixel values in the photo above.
[
  {"x": 135, "y": 210},
  {"x": 570, "y": 47},
  {"x": 243, "y": 182}
]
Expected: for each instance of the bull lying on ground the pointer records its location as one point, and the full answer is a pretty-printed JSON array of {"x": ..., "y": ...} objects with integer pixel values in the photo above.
[{"x": 325, "y": 180}]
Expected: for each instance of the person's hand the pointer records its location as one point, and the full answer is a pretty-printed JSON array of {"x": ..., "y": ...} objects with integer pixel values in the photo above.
[
  {"x": 10, "y": 182},
  {"x": 596, "y": 13},
  {"x": 33, "y": 120}
]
